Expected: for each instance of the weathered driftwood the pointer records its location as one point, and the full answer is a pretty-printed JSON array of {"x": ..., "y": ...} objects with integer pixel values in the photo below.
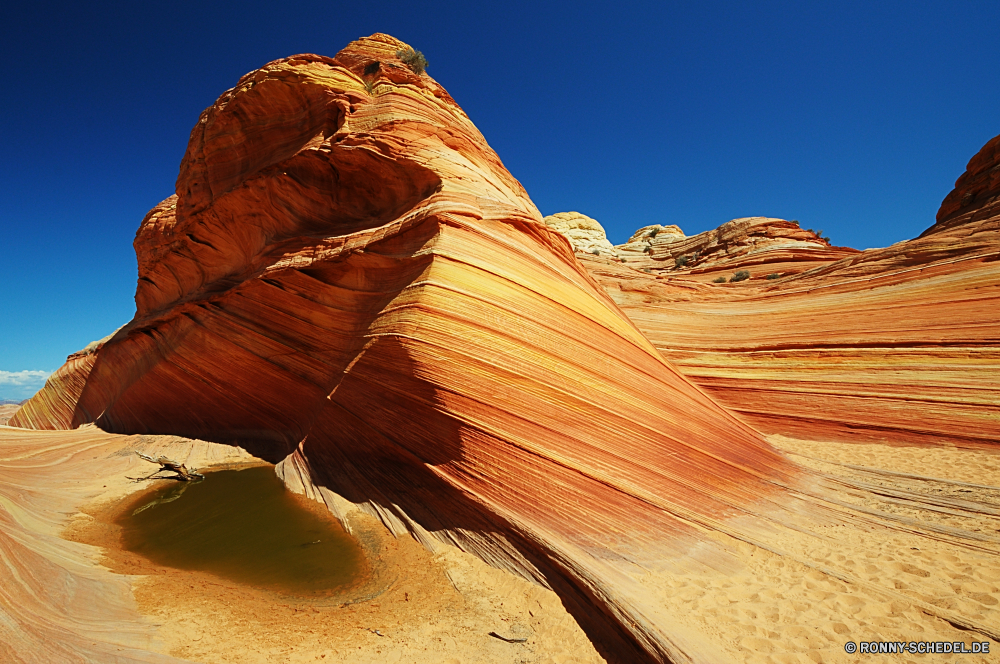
[{"x": 183, "y": 473}]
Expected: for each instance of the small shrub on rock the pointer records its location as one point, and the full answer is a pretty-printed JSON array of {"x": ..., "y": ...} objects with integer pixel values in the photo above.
[
  {"x": 773, "y": 275},
  {"x": 681, "y": 261},
  {"x": 719, "y": 280},
  {"x": 741, "y": 275},
  {"x": 415, "y": 60}
]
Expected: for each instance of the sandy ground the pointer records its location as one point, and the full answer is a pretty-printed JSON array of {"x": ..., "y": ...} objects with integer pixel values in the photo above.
[
  {"x": 864, "y": 582},
  {"x": 923, "y": 565},
  {"x": 7, "y": 411},
  {"x": 416, "y": 607}
]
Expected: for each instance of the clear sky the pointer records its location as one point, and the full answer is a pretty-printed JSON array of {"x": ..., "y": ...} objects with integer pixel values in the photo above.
[{"x": 851, "y": 117}]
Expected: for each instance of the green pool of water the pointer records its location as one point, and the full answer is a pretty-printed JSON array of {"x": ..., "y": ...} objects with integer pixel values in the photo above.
[{"x": 245, "y": 526}]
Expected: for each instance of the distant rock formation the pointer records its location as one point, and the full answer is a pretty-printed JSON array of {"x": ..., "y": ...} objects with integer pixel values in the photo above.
[
  {"x": 639, "y": 246},
  {"x": 898, "y": 345},
  {"x": 348, "y": 282},
  {"x": 760, "y": 245},
  {"x": 584, "y": 233},
  {"x": 55, "y": 405}
]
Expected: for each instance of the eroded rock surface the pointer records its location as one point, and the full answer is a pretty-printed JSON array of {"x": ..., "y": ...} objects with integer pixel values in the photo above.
[
  {"x": 760, "y": 245},
  {"x": 55, "y": 405},
  {"x": 349, "y": 283},
  {"x": 584, "y": 233},
  {"x": 900, "y": 344}
]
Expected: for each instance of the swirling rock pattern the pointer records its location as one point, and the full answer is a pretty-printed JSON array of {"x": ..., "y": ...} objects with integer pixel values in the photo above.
[
  {"x": 759, "y": 245},
  {"x": 56, "y": 603},
  {"x": 897, "y": 345},
  {"x": 348, "y": 281},
  {"x": 584, "y": 233},
  {"x": 54, "y": 406},
  {"x": 349, "y": 284}
]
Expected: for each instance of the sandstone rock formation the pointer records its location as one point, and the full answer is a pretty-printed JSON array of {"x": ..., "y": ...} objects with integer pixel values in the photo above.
[
  {"x": 763, "y": 246},
  {"x": 900, "y": 344},
  {"x": 584, "y": 233},
  {"x": 56, "y": 603},
  {"x": 348, "y": 280},
  {"x": 348, "y": 283},
  {"x": 974, "y": 203},
  {"x": 759, "y": 245},
  {"x": 54, "y": 406},
  {"x": 641, "y": 243}
]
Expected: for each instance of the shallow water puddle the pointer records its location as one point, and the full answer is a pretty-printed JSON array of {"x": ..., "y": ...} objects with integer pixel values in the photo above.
[{"x": 245, "y": 526}]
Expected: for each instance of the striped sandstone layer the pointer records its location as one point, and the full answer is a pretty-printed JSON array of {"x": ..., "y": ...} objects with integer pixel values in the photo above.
[
  {"x": 760, "y": 245},
  {"x": 56, "y": 603},
  {"x": 349, "y": 282},
  {"x": 795, "y": 595},
  {"x": 900, "y": 344},
  {"x": 54, "y": 406}
]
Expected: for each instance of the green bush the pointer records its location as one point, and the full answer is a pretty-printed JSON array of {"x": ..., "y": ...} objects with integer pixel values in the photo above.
[
  {"x": 773, "y": 275},
  {"x": 719, "y": 280},
  {"x": 653, "y": 232},
  {"x": 595, "y": 251},
  {"x": 681, "y": 261},
  {"x": 415, "y": 60},
  {"x": 741, "y": 275},
  {"x": 647, "y": 250}
]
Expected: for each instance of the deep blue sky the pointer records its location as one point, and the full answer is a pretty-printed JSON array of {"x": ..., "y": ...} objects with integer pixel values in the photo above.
[{"x": 854, "y": 118}]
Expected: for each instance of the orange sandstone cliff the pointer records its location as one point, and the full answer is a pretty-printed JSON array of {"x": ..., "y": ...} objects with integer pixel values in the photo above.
[{"x": 349, "y": 284}]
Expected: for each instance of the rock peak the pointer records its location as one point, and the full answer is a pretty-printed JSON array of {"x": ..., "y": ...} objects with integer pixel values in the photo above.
[{"x": 976, "y": 195}]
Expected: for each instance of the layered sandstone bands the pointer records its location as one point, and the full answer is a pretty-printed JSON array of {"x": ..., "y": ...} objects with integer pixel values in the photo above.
[
  {"x": 908, "y": 357},
  {"x": 349, "y": 282},
  {"x": 974, "y": 203},
  {"x": 897, "y": 345},
  {"x": 760, "y": 245},
  {"x": 54, "y": 406}
]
